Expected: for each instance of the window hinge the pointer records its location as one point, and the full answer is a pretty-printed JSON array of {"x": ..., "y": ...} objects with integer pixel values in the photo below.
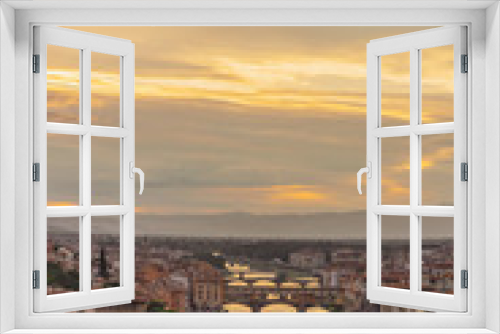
[
  {"x": 465, "y": 64},
  {"x": 36, "y": 279},
  {"x": 36, "y": 63},
  {"x": 465, "y": 279},
  {"x": 464, "y": 171},
  {"x": 36, "y": 172}
]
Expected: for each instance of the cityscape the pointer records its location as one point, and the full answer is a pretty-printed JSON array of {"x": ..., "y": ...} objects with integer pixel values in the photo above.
[
  {"x": 195, "y": 274},
  {"x": 250, "y": 139}
]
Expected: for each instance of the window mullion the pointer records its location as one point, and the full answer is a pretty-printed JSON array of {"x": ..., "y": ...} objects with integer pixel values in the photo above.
[
  {"x": 86, "y": 177},
  {"x": 414, "y": 170},
  {"x": 81, "y": 229}
]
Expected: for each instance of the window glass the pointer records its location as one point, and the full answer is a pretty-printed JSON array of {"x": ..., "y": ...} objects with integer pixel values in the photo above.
[
  {"x": 106, "y": 171},
  {"x": 395, "y": 261},
  {"x": 395, "y": 170},
  {"x": 437, "y": 65},
  {"x": 63, "y": 255},
  {"x": 63, "y": 170},
  {"x": 437, "y": 254},
  {"x": 395, "y": 83},
  {"x": 105, "y": 252},
  {"x": 437, "y": 169},
  {"x": 63, "y": 84},
  {"x": 105, "y": 89}
]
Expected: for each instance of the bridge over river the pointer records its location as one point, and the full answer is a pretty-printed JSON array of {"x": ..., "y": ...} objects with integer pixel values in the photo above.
[{"x": 298, "y": 293}]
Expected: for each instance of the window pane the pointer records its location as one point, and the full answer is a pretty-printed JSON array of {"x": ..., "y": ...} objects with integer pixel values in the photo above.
[
  {"x": 437, "y": 84},
  {"x": 437, "y": 169},
  {"x": 63, "y": 84},
  {"x": 437, "y": 254},
  {"x": 105, "y": 171},
  {"x": 63, "y": 170},
  {"x": 105, "y": 252},
  {"x": 105, "y": 89},
  {"x": 395, "y": 82},
  {"x": 395, "y": 170},
  {"x": 395, "y": 272},
  {"x": 63, "y": 255}
]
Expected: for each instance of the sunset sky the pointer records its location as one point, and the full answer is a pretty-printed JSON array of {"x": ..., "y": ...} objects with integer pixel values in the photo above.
[{"x": 263, "y": 120}]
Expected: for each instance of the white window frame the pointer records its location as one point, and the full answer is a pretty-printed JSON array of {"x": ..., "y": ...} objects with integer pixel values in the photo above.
[
  {"x": 484, "y": 147},
  {"x": 414, "y": 43},
  {"x": 86, "y": 44}
]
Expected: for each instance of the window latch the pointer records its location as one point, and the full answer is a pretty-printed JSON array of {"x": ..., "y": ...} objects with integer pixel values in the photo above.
[
  {"x": 139, "y": 171},
  {"x": 368, "y": 171}
]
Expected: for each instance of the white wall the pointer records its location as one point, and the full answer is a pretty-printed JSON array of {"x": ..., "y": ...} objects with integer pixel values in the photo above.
[
  {"x": 492, "y": 170},
  {"x": 7, "y": 191}
]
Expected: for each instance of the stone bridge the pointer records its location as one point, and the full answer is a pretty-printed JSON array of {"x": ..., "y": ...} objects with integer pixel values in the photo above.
[{"x": 256, "y": 296}]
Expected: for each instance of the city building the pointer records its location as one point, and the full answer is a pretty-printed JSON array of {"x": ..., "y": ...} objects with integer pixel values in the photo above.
[
  {"x": 329, "y": 277},
  {"x": 207, "y": 287},
  {"x": 307, "y": 258}
]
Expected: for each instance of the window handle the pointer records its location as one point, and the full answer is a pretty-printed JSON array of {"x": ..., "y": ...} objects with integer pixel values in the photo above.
[
  {"x": 368, "y": 171},
  {"x": 139, "y": 171}
]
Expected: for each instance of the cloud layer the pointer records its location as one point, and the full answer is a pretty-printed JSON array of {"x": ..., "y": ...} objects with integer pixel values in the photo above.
[{"x": 265, "y": 120}]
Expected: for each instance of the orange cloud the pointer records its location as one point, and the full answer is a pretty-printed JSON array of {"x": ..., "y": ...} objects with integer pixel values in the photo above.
[
  {"x": 317, "y": 85},
  {"x": 295, "y": 193},
  {"x": 442, "y": 154}
]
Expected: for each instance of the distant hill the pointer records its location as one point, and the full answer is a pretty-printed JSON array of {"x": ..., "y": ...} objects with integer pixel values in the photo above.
[
  {"x": 316, "y": 226},
  {"x": 246, "y": 225}
]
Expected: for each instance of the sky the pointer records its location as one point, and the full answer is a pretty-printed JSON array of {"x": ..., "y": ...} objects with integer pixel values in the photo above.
[{"x": 250, "y": 120}]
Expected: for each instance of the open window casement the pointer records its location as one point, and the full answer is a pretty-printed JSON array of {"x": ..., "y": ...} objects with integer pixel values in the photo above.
[
  {"x": 80, "y": 292},
  {"x": 419, "y": 217}
]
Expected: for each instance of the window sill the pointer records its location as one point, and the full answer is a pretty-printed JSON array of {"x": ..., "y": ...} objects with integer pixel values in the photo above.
[{"x": 250, "y": 331}]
